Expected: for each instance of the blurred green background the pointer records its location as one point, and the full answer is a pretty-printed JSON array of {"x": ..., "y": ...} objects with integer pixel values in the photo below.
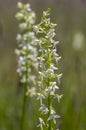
[{"x": 70, "y": 15}]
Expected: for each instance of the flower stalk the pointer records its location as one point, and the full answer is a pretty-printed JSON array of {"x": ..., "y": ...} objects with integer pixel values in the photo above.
[
  {"x": 26, "y": 54},
  {"x": 48, "y": 72}
]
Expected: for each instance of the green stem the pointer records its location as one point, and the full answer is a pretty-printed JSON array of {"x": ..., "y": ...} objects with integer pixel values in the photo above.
[
  {"x": 23, "y": 109},
  {"x": 49, "y": 96},
  {"x": 24, "y": 103},
  {"x": 49, "y": 107}
]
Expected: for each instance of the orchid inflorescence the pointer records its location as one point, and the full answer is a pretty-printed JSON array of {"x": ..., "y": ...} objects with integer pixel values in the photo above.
[
  {"x": 26, "y": 54},
  {"x": 27, "y": 50},
  {"x": 48, "y": 72}
]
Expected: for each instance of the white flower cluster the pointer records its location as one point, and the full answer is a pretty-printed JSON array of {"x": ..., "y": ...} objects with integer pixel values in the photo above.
[
  {"x": 27, "y": 45},
  {"x": 48, "y": 76}
]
